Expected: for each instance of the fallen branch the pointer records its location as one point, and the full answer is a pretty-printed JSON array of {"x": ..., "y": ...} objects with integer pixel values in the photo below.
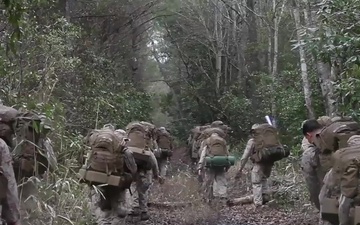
[
  {"x": 169, "y": 204},
  {"x": 249, "y": 199}
]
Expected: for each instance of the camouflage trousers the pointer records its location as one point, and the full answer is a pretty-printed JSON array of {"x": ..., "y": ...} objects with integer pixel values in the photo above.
[
  {"x": 259, "y": 175},
  {"x": 195, "y": 150},
  {"x": 28, "y": 195},
  {"x": 313, "y": 175},
  {"x": 109, "y": 210},
  {"x": 163, "y": 166},
  {"x": 215, "y": 183},
  {"x": 28, "y": 192},
  {"x": 140, "y": 190},
  {"x": 328, "y": 190},
  {"x": 344, "y": 210}
]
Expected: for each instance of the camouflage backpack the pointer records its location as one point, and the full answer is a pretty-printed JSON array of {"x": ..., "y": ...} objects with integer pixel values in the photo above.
[
  {"x": 151, "y": 134},
  {"x": 138, "y": 135},
  {"x": 139, "y": 143},
  {"x": 163, "y": 138},
  {"x": 33, "y": 153},
  {"x": 336, "y": 134},
  {"x": 267, "y": 146},
  {"x": 105, "y": 162},
  {"x": 217, "y": 145},
  {"x": 346, "y": 169},
  {"x": 205, "y": 134},
  {"x": 346, "y": 165}
]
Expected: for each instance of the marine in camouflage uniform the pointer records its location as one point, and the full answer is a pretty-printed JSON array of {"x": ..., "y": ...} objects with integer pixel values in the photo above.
[
  {"x": 329, "y": 188},
  {"x": 44, "y": 160},
  {"x": 10, "y": 207},
  {"x": 311, "y": 168},
  {"x": 113, "y": 207},
  {"x": 142, "y": 184},
  {"x": 164, "y": 142},
  {"x": 196, "y": 141},
  {"x": 143, "y": 179},
  {"x": 215, "y": 182},
  {"x": 260, "y": 172},
  {"x": 216, "y": 124}
]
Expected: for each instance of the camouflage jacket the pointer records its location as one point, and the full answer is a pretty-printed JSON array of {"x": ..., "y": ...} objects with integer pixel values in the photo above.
[{"x": 11, "y": 205}]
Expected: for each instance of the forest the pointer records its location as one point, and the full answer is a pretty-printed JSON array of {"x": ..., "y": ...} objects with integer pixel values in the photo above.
[{"x": 178, "y": 64}]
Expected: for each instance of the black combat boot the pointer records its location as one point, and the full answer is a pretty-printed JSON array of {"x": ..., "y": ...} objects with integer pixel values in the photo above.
[
  {"x": 144, "y": 216},
  {"x": 135, "y": 211},
  {"x": 122, "y": 213}
]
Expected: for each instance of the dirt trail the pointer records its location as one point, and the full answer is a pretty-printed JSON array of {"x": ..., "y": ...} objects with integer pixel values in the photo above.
[{"x": 182, "y": 186}]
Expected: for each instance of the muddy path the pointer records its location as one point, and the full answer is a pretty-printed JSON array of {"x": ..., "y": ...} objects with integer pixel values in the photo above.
[{"x": 182, "y": 187}]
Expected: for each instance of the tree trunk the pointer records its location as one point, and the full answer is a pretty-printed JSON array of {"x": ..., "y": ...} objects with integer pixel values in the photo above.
[
  {"x": 327, "y": 89},
  {"x": 325, "y": 74},
  {"x": 304, "y": 72},
  {"x": 252, "y": 62},
  {"x": 270, "y": 35},
  {"x": 218, "y": 36},
  {"x": 274, "y": 73}
]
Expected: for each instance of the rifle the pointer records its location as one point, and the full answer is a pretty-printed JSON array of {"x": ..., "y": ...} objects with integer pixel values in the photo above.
[{"x": 270, "y": 121}]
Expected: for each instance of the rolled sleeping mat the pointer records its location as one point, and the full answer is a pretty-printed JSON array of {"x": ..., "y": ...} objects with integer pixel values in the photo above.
[{"x": 219, "y": 161}]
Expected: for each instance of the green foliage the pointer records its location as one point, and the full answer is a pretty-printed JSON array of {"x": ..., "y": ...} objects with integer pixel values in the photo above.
[
  {"x": 337, "y": 42},
  {"x": 46, "y": 70},
  {"x": 14, "y": 10},
  {"x": 347, "y": 89},
  {"x": 77, "y": 91}
]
